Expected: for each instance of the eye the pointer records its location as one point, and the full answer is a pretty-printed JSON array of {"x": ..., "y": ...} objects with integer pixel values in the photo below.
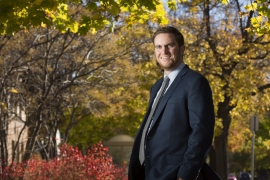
[
  {"x": 170, "y": 46},
  {"x": 158, "y": 47}
]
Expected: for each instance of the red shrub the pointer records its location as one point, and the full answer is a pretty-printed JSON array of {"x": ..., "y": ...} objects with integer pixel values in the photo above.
[{"x": 71, "y": 164}]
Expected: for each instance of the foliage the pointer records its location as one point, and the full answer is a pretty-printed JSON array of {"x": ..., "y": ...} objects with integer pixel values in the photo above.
[
  {"x": 63, "y": 14},
  {"x": 46, "y": 63},
  {"x": 44, "y": 75},
  {"x": 261, "y": 19},
  {"x": 100, "y": 82},
  {"x": 54, "y": 78},
  {"x": 240, "y": 158},
  {"x": 126, "y": 105},
  {"x": 71, "y": 164},
  {"x": 258, "y": 14},
  {"x": 91, "y": 130}
]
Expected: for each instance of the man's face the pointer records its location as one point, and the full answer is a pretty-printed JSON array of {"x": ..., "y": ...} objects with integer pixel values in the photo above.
[{"x": 168, "y": 53}]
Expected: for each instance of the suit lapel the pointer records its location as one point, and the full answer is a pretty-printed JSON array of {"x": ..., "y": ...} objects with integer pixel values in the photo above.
[
  {"x": 167, "y": 95},
  {"x": 153, "y": 94}
]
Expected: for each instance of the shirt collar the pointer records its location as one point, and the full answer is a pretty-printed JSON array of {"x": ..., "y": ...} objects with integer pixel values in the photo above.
[{"x": 175, "y": 72}]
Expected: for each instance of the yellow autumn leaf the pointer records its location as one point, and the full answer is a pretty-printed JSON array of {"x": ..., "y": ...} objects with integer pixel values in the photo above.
[
  {"x": 13, "y": 91},
  {"x": 267, "y": 144},
  {"x": 251, "y": 7},
  {"x": 37, "y": 2},
  {"x": 3, "y": 105},
  {"x": 93, "y": 31},
  {"x": 43, "y": 25}
]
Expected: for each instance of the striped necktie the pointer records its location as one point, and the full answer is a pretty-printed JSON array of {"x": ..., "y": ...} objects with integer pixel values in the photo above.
[{"x": 164, "y": 85}]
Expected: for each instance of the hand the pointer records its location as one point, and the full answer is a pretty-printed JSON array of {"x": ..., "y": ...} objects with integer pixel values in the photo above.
[{"x": 178, "y": 178}]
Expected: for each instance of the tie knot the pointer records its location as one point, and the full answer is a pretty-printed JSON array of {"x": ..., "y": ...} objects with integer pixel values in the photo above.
[{"x": 166, "y": 79}]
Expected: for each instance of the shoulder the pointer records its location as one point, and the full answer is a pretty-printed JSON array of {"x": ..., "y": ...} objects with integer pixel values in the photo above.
[
  {"x": 156, "y": 85},
  {"x": 190, "y": 73},
  {"x": 158, "y": 82}
]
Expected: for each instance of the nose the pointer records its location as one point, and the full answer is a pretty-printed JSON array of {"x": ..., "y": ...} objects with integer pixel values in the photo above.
[{"x": 165, "y": 49}]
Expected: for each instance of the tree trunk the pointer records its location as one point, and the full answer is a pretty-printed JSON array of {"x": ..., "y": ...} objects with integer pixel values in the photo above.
[
  {"x": 3, "y": 150},
  {"x": 219, "y": 156},
  {"x": 212, "y": 157},
  {"x": 33, "y": 132},
  {"x": 3, "y": 141}
]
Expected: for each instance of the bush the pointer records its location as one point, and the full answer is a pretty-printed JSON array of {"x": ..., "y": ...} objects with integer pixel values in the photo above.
[{"x": 71, "y": 164}]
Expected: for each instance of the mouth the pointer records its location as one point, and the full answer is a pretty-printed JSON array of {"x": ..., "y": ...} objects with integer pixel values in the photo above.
[{"x": 165, "y": 58}]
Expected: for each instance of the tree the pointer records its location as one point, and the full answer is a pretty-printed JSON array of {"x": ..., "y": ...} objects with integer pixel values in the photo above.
[
  {"x": 240, "y": 158},
  {"x": 17, "y": 15},
  {"x": 123, "y": 88},
  {"x": 46, "y": 66},
  {"x": 42, "y": 72}
]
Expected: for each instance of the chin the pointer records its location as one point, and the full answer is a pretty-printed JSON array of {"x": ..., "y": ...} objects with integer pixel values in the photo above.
[{"x": 166, "y": 67}]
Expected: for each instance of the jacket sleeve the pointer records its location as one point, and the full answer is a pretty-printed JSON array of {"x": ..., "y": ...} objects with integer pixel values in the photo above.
[{"x": 201, "y": 120}]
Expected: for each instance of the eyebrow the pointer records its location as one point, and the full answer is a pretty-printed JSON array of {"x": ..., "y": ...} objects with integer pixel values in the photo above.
[{"x": 165, "y": 44}]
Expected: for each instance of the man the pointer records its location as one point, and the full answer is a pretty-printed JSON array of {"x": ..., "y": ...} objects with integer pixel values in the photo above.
[{"x": 176, "y": 142}]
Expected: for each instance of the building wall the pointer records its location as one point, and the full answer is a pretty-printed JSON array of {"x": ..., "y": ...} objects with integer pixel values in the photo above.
[{"x": 16, "y": 135}]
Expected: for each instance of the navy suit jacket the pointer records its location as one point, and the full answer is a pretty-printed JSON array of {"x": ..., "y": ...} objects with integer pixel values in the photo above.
[{"x": 181, "y": 133}]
